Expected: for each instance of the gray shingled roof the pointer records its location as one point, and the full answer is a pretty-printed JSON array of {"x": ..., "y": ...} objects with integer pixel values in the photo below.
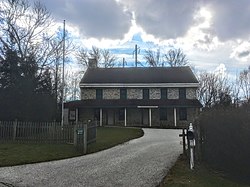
[{"x": 140, "y": 75}]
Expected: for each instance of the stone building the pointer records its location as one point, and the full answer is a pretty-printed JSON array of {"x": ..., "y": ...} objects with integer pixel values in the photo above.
[{"x": 150, "y": 96}]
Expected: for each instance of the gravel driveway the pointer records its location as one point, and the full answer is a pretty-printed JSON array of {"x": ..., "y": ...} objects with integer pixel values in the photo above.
[{"x": 141, "y": 162}]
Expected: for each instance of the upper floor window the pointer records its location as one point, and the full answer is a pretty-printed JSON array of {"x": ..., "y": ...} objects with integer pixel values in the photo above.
[
  {"x": 164, "y": 93},
  {"x": 123, "y": 93},
  {"x": 99, "y": 94},
  {"x": 145, "y": 93},
  {"x": 182, "y": 93},
  {"x": 183, "y": 113}
]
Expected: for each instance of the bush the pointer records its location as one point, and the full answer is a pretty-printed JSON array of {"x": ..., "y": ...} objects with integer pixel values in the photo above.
[{"x": 226, "y": 133}]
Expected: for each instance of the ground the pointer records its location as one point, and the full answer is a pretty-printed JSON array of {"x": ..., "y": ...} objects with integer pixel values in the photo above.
[{"x": 141, "y": 162}]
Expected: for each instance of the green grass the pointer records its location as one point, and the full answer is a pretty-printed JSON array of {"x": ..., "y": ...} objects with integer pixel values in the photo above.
[
  {"x": 180, "y": 175},
  {"x": 111, "y": 136},
  {"x": 107, "y": 137}
]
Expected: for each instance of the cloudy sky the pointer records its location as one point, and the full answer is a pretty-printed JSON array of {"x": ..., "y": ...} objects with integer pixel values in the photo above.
[{"x": 214, "y": 34}]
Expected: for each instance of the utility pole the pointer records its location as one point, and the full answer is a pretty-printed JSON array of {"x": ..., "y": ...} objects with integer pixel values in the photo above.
[
  {"x": 62, "y": 120},
  {"x": 136, "y": 55}
]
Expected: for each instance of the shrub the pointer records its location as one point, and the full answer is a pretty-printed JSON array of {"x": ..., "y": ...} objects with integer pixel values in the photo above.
[{"x": 226, "y": 133}]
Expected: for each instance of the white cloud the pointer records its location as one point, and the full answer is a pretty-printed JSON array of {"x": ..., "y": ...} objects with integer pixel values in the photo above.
[
  {"x": 163, "y": 18},
  {"x": 94, "y": 18},
  {"x": 230, "y": 18},
  {"x": 241, "y": 51}
]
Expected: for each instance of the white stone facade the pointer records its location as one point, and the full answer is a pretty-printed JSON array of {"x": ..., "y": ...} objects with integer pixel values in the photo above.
[
  {"x": 191, "y": 93},
  {"x": 173, "y": 93},
  {"x": 155, "y": 93},
  {"x": 111, "y": 93},
  {"x": 88, "y": 93},
  {"x": 136, "y": 93}
]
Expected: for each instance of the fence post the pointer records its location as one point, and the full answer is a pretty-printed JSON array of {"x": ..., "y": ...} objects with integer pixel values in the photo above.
[
  {"x": 14, "y": 129},
  {"x": 85, "y": 131}
]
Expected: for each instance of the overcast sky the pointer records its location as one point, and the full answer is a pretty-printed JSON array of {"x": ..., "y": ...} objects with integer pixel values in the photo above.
[{"x": 212, "y": 33}]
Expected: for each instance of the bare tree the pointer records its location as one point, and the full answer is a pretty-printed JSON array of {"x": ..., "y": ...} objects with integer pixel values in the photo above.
[
  {"x": 245, "y": 83},
  {"x": 175, "y": 57},
  {"x": 23, "y": 28},
  {"x": 108, "y": 58},
  {"x": 235, "y": 92},
  {"x": 152, "y": 58},
  {"x": 103, "y": 57},
  {"x": 213, "y": 89},
  {"x": 56, "y": 44},
  {"x": 72, "y": 90}
]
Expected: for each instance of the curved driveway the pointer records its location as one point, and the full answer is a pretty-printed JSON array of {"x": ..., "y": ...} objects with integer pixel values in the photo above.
[{"x": 141, "y": 162}]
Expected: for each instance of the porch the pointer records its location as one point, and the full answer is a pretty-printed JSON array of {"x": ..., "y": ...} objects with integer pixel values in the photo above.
[{"x": 149, "y": 116}]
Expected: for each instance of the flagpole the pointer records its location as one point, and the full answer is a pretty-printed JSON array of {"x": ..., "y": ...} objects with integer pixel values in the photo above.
[{"x": 62, "y": 120}]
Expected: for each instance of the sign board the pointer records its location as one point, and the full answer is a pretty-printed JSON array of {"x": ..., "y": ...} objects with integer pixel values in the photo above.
[
  {"x": 80, "y": 132},
  {"x": 72, "y": 115}
]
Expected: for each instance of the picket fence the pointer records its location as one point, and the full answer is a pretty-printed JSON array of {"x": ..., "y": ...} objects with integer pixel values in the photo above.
[{"x": 43, "y": 132}]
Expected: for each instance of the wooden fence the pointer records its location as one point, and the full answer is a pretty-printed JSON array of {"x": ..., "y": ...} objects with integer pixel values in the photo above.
[{"x": 43, "y": 132}]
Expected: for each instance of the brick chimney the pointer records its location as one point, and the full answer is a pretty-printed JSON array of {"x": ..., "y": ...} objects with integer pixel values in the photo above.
[{"x": 92, "y": 63}]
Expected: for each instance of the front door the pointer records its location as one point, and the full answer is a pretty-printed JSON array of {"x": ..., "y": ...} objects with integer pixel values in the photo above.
[
  {"x": 110, "y": 117},
  {"x": 145, "y": 117}
]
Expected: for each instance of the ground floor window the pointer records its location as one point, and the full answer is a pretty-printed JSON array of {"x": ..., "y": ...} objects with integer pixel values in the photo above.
[
  {"x": 183, "y": 113},
  {"x": 97, "y": 114},
  {"x": 163, "y": 114},
  {"x": 121, "y": 114}
]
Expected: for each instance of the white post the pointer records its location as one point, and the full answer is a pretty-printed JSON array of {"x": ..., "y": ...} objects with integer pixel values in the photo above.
[
  {"x": 150, "y": 117},
  {"x": 125, "y": 117},
  {"x": 191, "y": 142},
  {"x": 191, "y": 157},
  {"x": 175, "y": 117},
  {"x": 100, "y": 116}
]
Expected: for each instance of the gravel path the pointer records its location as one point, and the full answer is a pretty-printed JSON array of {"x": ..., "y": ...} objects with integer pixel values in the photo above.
[{"x": 141, "y": 162}]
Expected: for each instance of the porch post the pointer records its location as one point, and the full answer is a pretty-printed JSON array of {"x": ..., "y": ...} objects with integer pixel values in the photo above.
[
  {"x": 100, "y": 116},
  {"x": 175, "y": 117},
  {"x": 125, "y": 117},
  {"x": 77, "y": 114},
  {"x": 150, "y": 117}
]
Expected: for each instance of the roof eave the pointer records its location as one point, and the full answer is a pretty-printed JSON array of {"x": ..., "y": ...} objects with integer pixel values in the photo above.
[{"x": 137, "y": 85}]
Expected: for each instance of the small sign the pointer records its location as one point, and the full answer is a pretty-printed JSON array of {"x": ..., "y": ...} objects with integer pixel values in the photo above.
[
  {"x": 72, "y": 115},
  {"x": 80, "y": 132}
]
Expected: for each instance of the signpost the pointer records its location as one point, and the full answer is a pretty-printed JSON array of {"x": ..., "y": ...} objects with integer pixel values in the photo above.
[{"x": 191, "y": 141}]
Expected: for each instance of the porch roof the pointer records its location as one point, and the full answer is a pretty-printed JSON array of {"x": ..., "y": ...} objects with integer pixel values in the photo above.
[{"x": 118, "y": 103}]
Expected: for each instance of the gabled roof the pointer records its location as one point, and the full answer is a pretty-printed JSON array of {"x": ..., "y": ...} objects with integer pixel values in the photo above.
[{"x": 139, "y": 75}]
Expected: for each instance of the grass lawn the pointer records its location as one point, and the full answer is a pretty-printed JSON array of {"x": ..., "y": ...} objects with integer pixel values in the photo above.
[
  {"x": 107, "y": 137},
  {"x": 181, "y": 175}
]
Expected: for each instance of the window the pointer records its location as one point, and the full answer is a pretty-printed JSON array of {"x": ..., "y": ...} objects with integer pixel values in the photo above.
[
  {"x": 183, "y": 114},
  {"x": 145, "y": 93},
  {"x": 123, "y": 93},
  {"x": 182, "y": 93},
  {"x": 121, "y": 114},
  {"x": 164, "y": 93},
  {"x": 163, "y": 114},
  {"x": 98, "y": 93}
]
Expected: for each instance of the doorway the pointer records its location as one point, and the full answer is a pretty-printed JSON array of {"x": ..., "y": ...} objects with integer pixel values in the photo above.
[
  {"x": 111, "y": 117},
  {"x": 145, "y": 117}
]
